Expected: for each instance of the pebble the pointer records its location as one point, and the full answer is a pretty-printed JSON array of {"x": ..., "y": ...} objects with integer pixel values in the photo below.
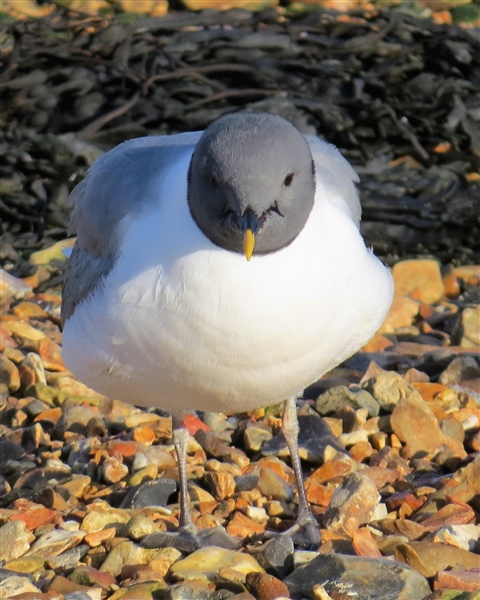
[
  {"x": 460, "y": 369},
  {"x": 163, "y": 559},
  {"x": 365, "y": 544},
  {"x": 352, "y": 504},
  {"x": 388, "y": 388},
  {"x": 402, "y": 313},
  {"x": 150, "y": 493},
  {"x": 429, "y": 557},
  {"x": 340, "y": 396},
  {"x": 125, "y": 553},
  {"x": 266, "y": 587},
  {"x": 100, "y": 515},
  {"x": 157, "y": 456},
  {"x": 98, "y": 537},
  {"x": 370, "y": 578},
  {"x": 25, "y": 564},
  {"x": 51, "y": 355},
  {"x": 75, "y": 419},
  {"x": 273, "y": 486},
  {"x": 14, "y": 585},
  {"x": 55, "y": 542},
  {"x": 420, "y": 279},
  {"x": 148, "y": 473},
  {"x": 222, "y": 484},
  {"x": 139, "y": 591},
  {"x": 460, "y": 580},
  {"x": 12, "y": 287},
  {"x": 276, "y": 555},
  {"x": 462, "y": 536},
  {"x": 88, "y": 467},
  {"x": 470, "y": 328},
  {"x": 205, "y": 563},
  {"x": 69, "y": 559},
  {"x": 25, "y": 335},
  {"x": 34, "y": 517},
  {"x": 255, "y": 436},
  {"x": 9, "y": 375},
  {"x": 139, "y": 526},
  {"x": 54, "y": 252},
  {"x": 243, "y": 527},
  {"x": 113, "y": 470},
  {"x": 414, "y": 422},
  {"x": 15, "y": 540},
  {"x": 314, "y": 437}
]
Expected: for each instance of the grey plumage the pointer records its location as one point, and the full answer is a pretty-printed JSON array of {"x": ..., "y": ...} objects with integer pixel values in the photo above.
[{"x": 117, "y": 187}]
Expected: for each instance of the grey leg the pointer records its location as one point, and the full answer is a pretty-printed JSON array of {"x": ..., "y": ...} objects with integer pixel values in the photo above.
[
  {"x": 188, "y": 538},
  {"x": 181, "y": 437},
  {"x": 305, "y": 518}
]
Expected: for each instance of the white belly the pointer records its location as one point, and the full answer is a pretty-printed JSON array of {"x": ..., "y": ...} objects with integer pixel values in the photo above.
[{"x": 182, "y": 324}]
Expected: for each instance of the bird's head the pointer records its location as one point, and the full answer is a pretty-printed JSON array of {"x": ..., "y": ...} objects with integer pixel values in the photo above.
[{"x": 251, "y": 183}]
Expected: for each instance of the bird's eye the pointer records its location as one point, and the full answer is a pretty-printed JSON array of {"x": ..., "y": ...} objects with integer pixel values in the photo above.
[
  {"x": 288, "y": 180},
  {"x": 213, "y": 180}
]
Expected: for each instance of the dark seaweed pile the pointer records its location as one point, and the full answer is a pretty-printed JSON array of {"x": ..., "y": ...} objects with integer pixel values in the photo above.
[{"x": 400, "y": 96}]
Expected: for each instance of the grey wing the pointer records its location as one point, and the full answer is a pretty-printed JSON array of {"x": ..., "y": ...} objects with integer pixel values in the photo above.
[
  {"x": 115, "y": 186},
  {"x": 337, "y": 175}
]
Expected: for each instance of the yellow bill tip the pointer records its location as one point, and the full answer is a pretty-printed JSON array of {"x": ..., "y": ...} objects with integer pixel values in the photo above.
[{"x": 249, "y": 243}]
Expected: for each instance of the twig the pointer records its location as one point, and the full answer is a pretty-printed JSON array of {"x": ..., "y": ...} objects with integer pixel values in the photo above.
[{"x": 97, "y": 124}]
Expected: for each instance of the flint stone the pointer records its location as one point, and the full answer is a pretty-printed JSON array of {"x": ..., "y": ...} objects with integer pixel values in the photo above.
[
  {"x": 366, "y": 578},
  {"x": 15, "y": 585},
  {"x": 352, "y": 504},
  {"x": 15, "y": 540},
  {"x": 55, "y": 542},
  {"x": 276, "y": 555},
  {"x": 388, "y": 388},
  {"x": 150, "y": 493},
  {"x": 315, "y": 435},
  {"x": 340, "y": 396},
  {"x": 461, "y": 368}
]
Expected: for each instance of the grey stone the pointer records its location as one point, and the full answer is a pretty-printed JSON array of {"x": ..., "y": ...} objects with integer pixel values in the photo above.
[
  {"x": 78, "y": 595},
  {"x": 10, "y": 451},
  {"x": 388, "y": 388},
  {"x": 366, "y": 578},
  {"x": 75, "y": 419},
  {"x": 69, "y": 559},
  {"x": 150, "y": 493},
  {"x": 315, "y": 435},
  {"x": 340, "y": 396},
  {"x": 461, "y": 368},
  {"x": 255, "y": 436},
  {"x": 276, "y": 555},
  {"x": 55, "y": 542}
]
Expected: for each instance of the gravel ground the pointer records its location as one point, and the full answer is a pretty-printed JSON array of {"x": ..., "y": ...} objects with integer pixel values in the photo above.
[{"x": 390, "y": 439}]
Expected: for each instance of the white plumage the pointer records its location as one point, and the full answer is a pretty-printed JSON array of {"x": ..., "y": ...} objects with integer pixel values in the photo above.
[
  {"x": 161, "y": 308},
  {"x": 182, "y": 324}
]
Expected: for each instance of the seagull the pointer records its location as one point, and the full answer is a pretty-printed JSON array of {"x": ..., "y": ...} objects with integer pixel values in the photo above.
[{"x": 219, "y": 271}]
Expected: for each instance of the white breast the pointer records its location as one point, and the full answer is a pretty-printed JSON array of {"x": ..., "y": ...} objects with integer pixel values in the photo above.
[{"x": 182, "y": 324}]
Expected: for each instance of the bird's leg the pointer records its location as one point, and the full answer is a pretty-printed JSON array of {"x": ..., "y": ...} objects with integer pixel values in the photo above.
[
  {"x": 180, "y": 438},
  {"x": 188, "y": 538},
  {"x": 305, "y": 518}
]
